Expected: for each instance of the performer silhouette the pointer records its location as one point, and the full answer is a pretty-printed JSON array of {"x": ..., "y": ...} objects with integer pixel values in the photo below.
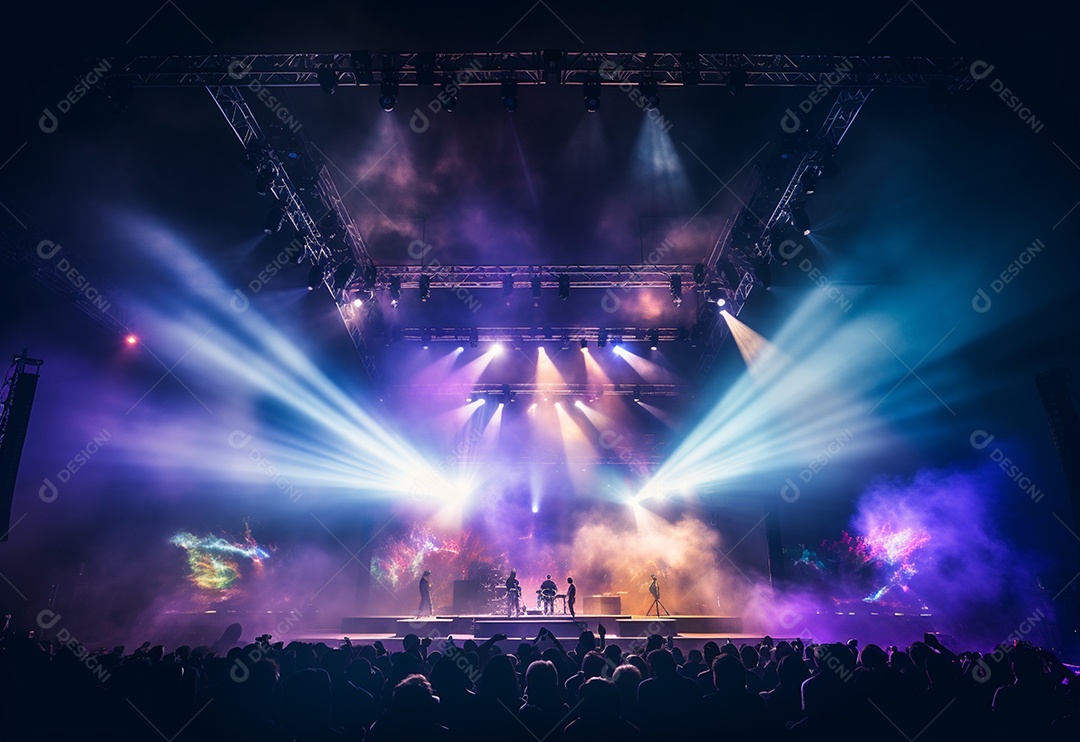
[
  {"x": 513, "y": 594},
  {"x": 548, "y": 590},
  {"x": 425, "y": 595},
  {"x": 571, "y": 595}
]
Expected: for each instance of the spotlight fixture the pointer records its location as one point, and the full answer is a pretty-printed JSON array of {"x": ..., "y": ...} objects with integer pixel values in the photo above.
[
  {"x": 425, "y": 288},
  {"x": 601, "y": 339},
  {"x": 566, "y": 342},
  {"x": 654, "y": 340},
  {"x": 591, "y": 95},
  {"x": 699, "y": 274},
  {"x": 564, "y": 287},
  {"x": 649, "y": 93},
  {"x": 474, "y": 338},
  {"x": 448, "y": 96},
  {"x": 388, "y": 90},
  {"x": 676, "y": 290},
  {"x": 508, "y": 287},
  {"x": 425, "y": 339},
  {"x": 370, "y": 276},
  {"x": 327, "y": 79},
  {"x": 637, "y": 394},
  {"x": 809, "y": 180},
  {"x": 395, "y": 290},
  {"x": 584, "y": 345},
  {"x": 509, "y": 95},
  {"x": 274, "y": 220},
  {"x": 358, "y": 301},
  {"x": 315, "y": 277},
  {"x": 343, "y": 274},
  {"x": 536, "y": 292},
  {"x": 715, "y": 294},
  {"x": 801, "y": 220}
]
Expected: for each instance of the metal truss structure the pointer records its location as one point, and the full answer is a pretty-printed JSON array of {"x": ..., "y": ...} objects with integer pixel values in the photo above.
[
  {"x": 787, "y": 176},
  {"x": 550, "y": 392},
  {"x": 523, "y": 276},
  {"x": 310, "y": 202},
  {"x": 552, "y": 66},
  {"x": 568, "y": 336},
  {"x": 738, "y": 262}
]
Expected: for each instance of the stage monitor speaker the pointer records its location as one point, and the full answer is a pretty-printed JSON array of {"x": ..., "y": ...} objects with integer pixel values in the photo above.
[
  {"x": 467, "y": 597},
  {"x": 21, "y": 399}
]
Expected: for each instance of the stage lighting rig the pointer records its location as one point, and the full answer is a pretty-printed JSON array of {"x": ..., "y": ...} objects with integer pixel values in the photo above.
[
  {"x": 370, "y": 277},
  {"x": 425, "y": 339},
  {"x": 315, "y": 277},
  {"x": 801, "y": 220},
  {"x": 474, "y": 338},
  {"x": 509, "y": 93},
  {"x": 564, "y": 287},
  {"x": 328, "y": 80},
  {"x": 274, "y": 220},
  {"x": 699, "y": 274},
  {"x": 676, "y": 290},
  {"x": 601, "y": 339},
  {"x": 395, "y": 290},
  {"x": 591, "y": 95},
  {"x": 649, "y": 93},
  {"x": 508, "y": 288},
  {"x": 425, "y": 288},
  {"x": 343, "y": 274},
  {"x": 584, "y": 345},
  {"x": 654, "y": 340},
  {"x": 637, "y": 394},
  {"x": 388, "y": 92},
  {"x": 536, "y": 286}
]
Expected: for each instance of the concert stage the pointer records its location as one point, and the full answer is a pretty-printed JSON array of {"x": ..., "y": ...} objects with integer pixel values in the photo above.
[{"x": 621, "y": 626}]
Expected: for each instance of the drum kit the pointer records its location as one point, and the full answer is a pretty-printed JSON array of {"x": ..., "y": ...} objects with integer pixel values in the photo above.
[{"x": 545, "y": 600}]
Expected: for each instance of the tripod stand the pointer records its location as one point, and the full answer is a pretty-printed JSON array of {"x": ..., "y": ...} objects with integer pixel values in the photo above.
[{"x": 657, "y": 606}]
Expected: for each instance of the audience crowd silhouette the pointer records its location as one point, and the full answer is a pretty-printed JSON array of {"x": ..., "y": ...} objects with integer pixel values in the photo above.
[{"x": 438, "y": 689}]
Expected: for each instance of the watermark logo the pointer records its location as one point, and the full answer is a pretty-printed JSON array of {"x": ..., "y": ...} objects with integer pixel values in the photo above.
[
  {"x": 627, "y": 454},
  {"x": 981, "y": 671},
  {"x": 611, "y": 71},
  {"x": 980, "y": 440},
  {"x": 790, "y": 492},
  {"x": 239, "y": 301},
  {"x": 49, "y": 121},
  {"x": 419, "y": 250},
  {"x": 980, "y": 70},
  {"x": 47, "y": 250},
  {"x": 238, "y": 71},
  {"x": 611, "y": 301},
  {"x": 790, "y": 249},
  {"x": 791, "y": 122},
  {"x": 445, "y": 99},
  {"x": 241, "y": 671},
  {"x": 49, "y": 491},
  {"x": 240, "y": 440},
  {"x": 47, "y": 619},
  {"x": 982, "y": 301}
]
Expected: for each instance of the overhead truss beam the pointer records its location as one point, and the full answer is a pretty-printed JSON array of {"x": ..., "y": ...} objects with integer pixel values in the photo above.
[{"x": 364, "y": 68}]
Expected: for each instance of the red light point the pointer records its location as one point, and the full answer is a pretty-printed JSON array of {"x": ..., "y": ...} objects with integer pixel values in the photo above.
[{"x": 131, "y": 339}]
